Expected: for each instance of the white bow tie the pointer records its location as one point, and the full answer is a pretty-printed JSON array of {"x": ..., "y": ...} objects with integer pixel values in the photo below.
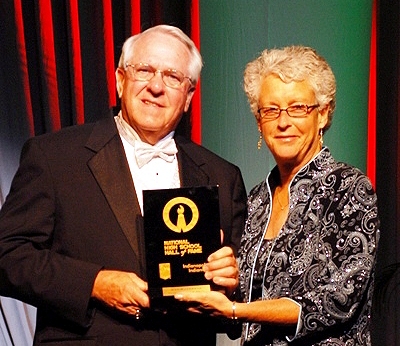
[{"x": 144, "y": 152}]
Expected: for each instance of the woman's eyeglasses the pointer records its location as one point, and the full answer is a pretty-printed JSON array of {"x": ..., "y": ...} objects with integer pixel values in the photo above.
[{"x": 297, "y": 111}]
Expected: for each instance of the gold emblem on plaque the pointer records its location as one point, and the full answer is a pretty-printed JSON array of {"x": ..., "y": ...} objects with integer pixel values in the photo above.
[
  {"x": 165, "y": 270},
  {"x": 181, "y": 222}
]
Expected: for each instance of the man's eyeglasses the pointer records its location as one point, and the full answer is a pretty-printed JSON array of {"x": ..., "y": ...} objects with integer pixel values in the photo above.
[
  {"x": 297, "y": 111},
  {"x": 144, "y": 72}
]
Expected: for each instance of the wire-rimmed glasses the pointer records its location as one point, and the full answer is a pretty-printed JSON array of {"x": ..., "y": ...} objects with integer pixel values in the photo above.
[{"x": 144, "y": 72}]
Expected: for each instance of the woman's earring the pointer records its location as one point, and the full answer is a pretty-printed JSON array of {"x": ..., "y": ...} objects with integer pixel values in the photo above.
[
  {"x": 259, "y": 143},
  {"x": 321, "y": 138}
]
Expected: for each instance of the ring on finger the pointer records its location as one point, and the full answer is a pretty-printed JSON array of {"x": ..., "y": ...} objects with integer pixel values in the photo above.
[{"x": 138, "y": 314}]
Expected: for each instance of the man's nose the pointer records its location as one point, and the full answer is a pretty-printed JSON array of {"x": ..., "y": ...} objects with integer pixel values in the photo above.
[{"x": 156, "y": 82}]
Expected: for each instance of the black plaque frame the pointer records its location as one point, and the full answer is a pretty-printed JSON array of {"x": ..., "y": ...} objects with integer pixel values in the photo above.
[{"x": 182, "y": 228}]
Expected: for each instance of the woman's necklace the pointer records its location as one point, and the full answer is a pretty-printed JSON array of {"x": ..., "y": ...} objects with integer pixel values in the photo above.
[{"x": 277, "y": 197}]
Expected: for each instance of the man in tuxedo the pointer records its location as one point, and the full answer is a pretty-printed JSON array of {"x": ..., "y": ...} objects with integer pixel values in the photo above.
[{"x": 71, "y": 229}]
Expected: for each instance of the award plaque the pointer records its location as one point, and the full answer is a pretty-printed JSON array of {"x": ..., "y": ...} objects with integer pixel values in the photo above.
[{"x": 181, "y": 228}]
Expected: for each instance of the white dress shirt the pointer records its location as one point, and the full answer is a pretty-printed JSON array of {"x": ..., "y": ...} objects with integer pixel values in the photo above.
[{"x": 157, "y": 173}]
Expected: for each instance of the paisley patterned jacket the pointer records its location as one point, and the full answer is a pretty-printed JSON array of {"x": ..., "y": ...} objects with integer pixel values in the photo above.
[{"x": 323, "y": 258}]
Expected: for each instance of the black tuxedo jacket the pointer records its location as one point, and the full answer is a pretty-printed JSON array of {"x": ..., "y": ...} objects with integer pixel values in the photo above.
[{"x": 71, "y": 211}]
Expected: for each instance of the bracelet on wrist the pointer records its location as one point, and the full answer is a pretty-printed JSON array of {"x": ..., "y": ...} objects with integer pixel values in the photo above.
[{"x": 234, "y": 317}]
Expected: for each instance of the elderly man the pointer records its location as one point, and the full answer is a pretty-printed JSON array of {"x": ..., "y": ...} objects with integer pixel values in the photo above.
[{"x": 71, "y": 229}]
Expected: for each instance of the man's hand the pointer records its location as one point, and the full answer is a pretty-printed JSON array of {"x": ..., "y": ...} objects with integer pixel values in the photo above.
[
  {"x": 222, "y": 269},
  {"x": 121, "y": 290}
]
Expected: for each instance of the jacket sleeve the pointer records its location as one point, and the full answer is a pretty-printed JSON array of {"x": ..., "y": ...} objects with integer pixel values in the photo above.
[
  {"x": 342, "y": 230},
  {"x": 238, "y": 209},
  {"x": 30, "y": 269}
]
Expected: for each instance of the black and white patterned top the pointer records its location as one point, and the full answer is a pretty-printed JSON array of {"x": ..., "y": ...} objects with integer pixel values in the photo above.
[{"x": 323, "y": 258}]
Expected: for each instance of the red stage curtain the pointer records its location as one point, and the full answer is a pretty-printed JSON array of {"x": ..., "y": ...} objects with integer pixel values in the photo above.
[
  {"x": 57, "y": 65},
  {"x": 371, "y": 144},
  {"x": 66, "y": 53}
]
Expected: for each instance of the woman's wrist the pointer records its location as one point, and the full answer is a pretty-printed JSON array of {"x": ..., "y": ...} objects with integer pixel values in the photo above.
[
  {"x": 229, "y": 310},
  {"x": 234, "y": 314}
]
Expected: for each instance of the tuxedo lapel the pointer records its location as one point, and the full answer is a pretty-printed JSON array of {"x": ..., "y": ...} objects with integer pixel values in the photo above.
[
  {"x": 110, "y": 168},
  {"x": 190, "y": 166}
]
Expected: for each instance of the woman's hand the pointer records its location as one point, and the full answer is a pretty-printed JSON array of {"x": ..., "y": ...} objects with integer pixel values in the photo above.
[
  {"x": 222, "y": 269},
  {"x": 213, "y": 303}
]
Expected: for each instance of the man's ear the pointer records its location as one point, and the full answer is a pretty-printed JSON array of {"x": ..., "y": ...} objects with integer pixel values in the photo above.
[
  {"x": 189, "y": 98},
  {"x": 120, "y": 78}
]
